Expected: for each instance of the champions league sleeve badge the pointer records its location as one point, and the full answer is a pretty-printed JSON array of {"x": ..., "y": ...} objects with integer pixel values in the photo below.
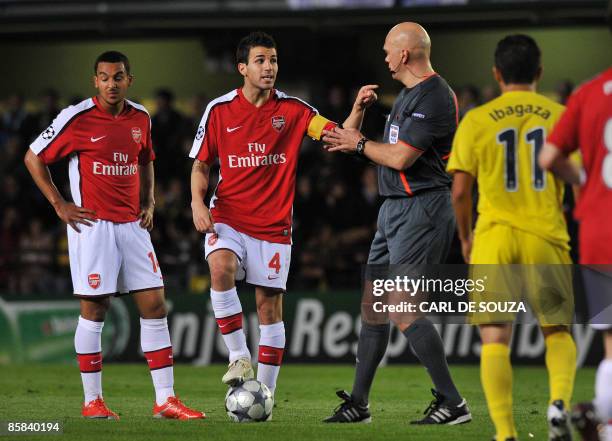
[{"x": 48, "y": 133}]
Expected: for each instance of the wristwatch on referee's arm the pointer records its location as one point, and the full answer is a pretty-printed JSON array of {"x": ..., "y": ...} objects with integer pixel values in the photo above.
[{"x": 361, "y": 145}]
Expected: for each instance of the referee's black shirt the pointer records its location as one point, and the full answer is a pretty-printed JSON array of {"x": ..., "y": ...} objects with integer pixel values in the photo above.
[{"x": 424, "y": 118}]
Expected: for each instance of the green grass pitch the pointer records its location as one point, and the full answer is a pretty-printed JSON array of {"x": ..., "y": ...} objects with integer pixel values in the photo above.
[{"x": 304, "y": 397}]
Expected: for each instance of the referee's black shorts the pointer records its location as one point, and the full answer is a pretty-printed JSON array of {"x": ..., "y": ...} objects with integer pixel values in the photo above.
[{"x": 414, "y": 230}]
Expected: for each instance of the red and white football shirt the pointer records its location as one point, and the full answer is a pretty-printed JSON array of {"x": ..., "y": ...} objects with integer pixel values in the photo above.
[
  {"x": 587, "y": 124},
  {"x": 258, "y": 150},
  {"x": 104, "y": 153}
]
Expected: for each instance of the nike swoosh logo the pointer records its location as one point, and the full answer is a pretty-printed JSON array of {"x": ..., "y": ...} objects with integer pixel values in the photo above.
[
  {"x": 233, "y": 129},
  {"x": 96, "y": 362},
  {"x": 151, "y": 361},
  {"x": 97, "y": 139},
  {"x": 273, "y": 277},
  {"x": 267, "y": 355}
]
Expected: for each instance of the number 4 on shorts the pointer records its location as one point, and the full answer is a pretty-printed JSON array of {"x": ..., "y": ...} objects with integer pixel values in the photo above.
[{"x": 274, "y": 263}]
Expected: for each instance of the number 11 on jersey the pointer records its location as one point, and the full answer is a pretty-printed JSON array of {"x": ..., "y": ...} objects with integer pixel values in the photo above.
[{"x": 535, "y": 137}]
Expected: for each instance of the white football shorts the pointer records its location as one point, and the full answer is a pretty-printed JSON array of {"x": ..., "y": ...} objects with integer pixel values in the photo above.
[
  {"x": 265, "y": 263},
  {"x": 110, "y": 258}
]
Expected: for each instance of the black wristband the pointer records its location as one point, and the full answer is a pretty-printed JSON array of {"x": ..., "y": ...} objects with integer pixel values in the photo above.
[{"x": 361, "y": 145}]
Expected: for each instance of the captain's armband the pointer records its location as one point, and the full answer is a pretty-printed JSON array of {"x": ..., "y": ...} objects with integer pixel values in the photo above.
[{"x": 317, "y": 124}]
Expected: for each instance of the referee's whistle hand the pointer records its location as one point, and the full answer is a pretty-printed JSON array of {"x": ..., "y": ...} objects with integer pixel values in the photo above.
[{"x": 366, "y": 96}]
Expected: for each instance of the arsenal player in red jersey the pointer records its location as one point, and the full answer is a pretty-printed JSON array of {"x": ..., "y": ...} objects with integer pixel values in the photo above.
[
  {"x": 255, "y": 132},
  {"x": 587, "y": 125},
  {"x": 107, "y": 139}
]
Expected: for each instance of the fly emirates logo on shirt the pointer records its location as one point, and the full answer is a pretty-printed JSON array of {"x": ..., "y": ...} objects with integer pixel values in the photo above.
[
  {"x": 119, "y": 168},
  {"x": 256, "y": 157}
]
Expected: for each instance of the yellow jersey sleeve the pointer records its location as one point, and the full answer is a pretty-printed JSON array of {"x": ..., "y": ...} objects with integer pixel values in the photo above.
[{"x": 463, "y": 155}]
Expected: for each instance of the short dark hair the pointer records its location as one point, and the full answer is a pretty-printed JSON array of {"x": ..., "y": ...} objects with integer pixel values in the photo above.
[
  {"x": 112, "y": 57},
  {"x": 252, "y": 40},
  {"x": 518, "y": 59}
]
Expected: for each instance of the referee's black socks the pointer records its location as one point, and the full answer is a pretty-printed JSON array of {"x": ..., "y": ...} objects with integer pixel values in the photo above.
[
  {"x": 373, "y": 341},
  {"x": 427, "y": 345}
]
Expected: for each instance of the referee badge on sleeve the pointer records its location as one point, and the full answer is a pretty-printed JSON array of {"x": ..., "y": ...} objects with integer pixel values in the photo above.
[{"x": 393, "y": 134}]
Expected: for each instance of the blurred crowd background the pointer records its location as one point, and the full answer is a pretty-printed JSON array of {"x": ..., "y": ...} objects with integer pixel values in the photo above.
[
  {"x": 182, "y": 56},
  {"x": 335, "y": 208}
]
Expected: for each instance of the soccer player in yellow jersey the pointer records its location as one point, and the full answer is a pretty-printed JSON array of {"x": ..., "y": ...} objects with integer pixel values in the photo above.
[{"x": 520, "y": 222}]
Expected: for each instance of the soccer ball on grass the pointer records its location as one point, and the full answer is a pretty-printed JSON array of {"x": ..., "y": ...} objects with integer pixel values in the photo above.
[{"x": 249, "y": 401}]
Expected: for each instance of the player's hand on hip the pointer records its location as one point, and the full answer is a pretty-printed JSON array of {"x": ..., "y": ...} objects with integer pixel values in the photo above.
[
  {"x": 146, "y": 217},
  {"x": 341, "y": 140},
  {"x": 73, "y": 215},
  {"x": 202, "y": 219},
  {"x": 366, "y": 96}
]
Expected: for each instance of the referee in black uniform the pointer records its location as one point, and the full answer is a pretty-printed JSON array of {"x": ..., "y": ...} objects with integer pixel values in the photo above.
[{"x": 416, "y": 221}]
